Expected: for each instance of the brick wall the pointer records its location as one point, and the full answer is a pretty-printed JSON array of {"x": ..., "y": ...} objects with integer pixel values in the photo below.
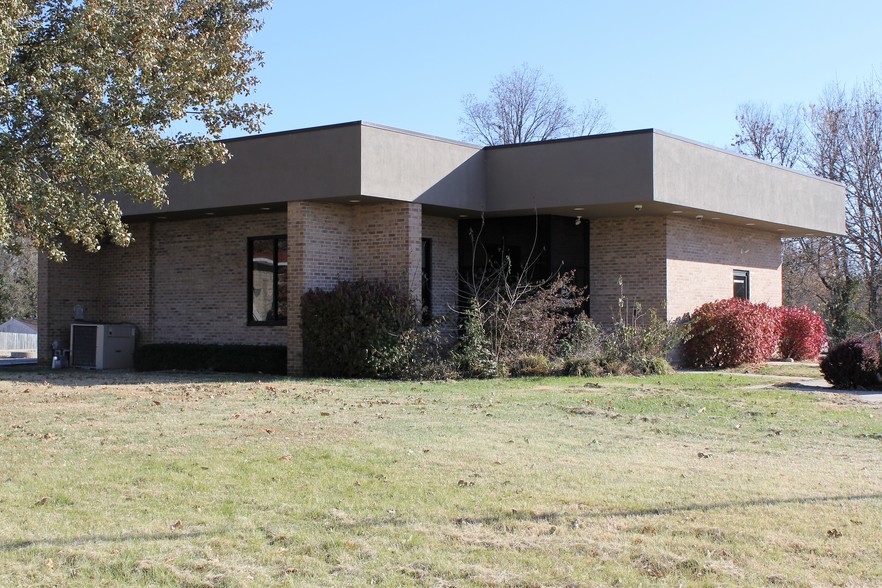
[
  {"x": 633, "y": 249},
  {"x": 387, "y": 243},
  {"x": 61, "y": 286},
  {"x": 186, "y": 281},
  {"x": 676, "y": 264},
  {"x": 126, "y": 282},
  {"x": 179, "y": 281},
  {"x": 702, "y": 256},
  {"x": 327, "y": 233},
  {"x": 445, "y": 274},
  {"x": 320, "y": 244},
  {"x": 328, "y": 242},
  {"x": 200, "y": 280}
]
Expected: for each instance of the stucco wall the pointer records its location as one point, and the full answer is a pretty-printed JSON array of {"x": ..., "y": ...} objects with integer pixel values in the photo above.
[
  {"x": 702, "y": 256},
  {"x": 716, "y": 181}
]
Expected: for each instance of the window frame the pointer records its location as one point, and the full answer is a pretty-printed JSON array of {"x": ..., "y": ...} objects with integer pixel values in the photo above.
[
  {"x": 275, "y": 321},
  {"x": 745, "y": 275},
  {"x": 426, "y": 281}
]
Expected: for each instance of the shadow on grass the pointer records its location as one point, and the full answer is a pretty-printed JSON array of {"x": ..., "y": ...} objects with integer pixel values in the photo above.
[
  {"x": 552, "y": 517},
  {"x": 71, "y": 541},
  {"x": 516, "y": 515}
]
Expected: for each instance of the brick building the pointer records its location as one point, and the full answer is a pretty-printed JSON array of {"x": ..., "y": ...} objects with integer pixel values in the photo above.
[{"x": 228, "y": 258}]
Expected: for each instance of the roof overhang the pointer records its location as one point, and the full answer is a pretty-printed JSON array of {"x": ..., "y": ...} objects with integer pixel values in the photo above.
[
  {"x": 643, "y": 172},
  {"x": 652, "y": 173}
]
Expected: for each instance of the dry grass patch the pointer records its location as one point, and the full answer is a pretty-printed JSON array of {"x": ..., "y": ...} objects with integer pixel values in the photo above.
[{"x": 182, "y": 480}]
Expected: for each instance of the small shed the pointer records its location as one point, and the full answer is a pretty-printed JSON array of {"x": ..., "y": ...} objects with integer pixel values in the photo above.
[
  {"x": 23, "y": 326},
  {"x": 18, "y": 338}
]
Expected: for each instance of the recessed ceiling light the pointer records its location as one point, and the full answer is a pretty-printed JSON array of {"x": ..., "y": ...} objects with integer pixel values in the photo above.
[
  {"x": 264, "y": 207},
  {"x": 715, "y": 218},
  {"x": 463, "y": 216},
  {"x": 750, "y": 224},
  {"x": 355, "y": 201},
  {"x": 782, "y": 230},
  {"x": 676, "y": 212},
  {"x": 209, "y": 214},
  {"x": 580, "y": 208}
]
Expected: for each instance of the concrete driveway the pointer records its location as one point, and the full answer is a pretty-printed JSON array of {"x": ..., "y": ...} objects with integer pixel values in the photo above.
[{"x": 821, "y": 385}]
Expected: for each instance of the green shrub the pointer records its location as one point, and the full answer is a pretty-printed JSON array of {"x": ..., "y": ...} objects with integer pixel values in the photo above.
[
  {"x": 420, "y": 353},
  {"x": 584, "y": 366},
  {"x": 530, "y": 365},
  {"x": 344, "y": 326},
  {"x": 473, "y": 357},
  {"x": 267, "y": 359},
  {"x": 583, "y": 338},
  {"x": 651, "y": 366},
  {"x": 640, "y": 345}
]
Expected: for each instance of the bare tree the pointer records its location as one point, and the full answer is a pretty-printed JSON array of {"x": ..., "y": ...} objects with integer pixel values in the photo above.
[
  {"x": 777, "y": 138},
  {"x": 819, "y": 272},
  {"x": 860, "y": 140},
  {"x": 527, "y": 105},
  {"x": 840, "y": 138}
]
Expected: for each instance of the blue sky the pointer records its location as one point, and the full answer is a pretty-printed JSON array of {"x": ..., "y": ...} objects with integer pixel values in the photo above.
[{"x": 682, "y": 67}]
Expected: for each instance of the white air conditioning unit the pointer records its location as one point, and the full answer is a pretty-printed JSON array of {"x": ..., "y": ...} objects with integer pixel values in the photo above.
[{"x": 102, "y": 347}]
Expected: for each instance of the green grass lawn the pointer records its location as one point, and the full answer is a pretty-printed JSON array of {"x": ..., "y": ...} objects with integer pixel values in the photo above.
[{"x": 182, "y": 480}]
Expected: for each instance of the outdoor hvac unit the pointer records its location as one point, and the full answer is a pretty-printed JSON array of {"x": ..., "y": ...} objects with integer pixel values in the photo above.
[{"x": 102, "y": 347}]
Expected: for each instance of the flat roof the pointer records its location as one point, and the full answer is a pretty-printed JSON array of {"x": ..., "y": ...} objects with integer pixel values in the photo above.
[{"x": 594, "y": 176}]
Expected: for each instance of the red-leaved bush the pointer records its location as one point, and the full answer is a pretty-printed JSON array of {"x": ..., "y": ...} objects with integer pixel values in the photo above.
[
  {"x": 726, "y": 333},
  {"x": 803, "y": 334},
  {"x": 852, "y": 364}
]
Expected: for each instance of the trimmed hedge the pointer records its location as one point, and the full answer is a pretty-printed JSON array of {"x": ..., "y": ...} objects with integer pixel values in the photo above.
[
  {"x": 344, "y": 327},
  {"x": 266, "y": 359}
]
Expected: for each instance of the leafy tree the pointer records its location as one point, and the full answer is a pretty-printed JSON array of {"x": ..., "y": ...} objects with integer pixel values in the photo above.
[
  {"x": 527, "y": 105},
  {"x": 91, "y": 94}
]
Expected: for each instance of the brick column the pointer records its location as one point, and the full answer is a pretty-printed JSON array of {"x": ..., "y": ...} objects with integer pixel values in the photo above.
[
  {"x": 330, "y": 242},
  {"x": 296, "y": 284},
  {"x": 387, "y": 244}
]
